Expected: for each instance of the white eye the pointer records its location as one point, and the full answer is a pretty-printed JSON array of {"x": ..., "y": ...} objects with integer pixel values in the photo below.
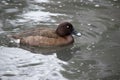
[{"x": 68, "y": 26}]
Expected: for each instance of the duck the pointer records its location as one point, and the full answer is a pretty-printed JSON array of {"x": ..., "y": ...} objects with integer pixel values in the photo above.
[{"x": 48, "y": 36}]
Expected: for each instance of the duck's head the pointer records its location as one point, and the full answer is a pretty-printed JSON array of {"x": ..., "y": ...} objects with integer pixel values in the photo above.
[{"x": 65, "y": 29}]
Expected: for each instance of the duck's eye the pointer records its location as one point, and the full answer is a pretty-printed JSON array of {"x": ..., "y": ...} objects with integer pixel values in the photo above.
[{"x": 68, "y": 26}]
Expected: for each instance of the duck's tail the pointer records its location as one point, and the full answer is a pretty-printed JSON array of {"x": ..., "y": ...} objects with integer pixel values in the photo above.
[{"x": 14, "y": 38}]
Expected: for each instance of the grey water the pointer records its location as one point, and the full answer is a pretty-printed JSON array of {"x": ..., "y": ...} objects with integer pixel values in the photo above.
[{"x": 93, "y": 56}]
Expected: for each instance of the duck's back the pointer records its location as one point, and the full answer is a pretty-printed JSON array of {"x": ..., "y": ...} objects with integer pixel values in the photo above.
[{"x": 47, "y": 32}]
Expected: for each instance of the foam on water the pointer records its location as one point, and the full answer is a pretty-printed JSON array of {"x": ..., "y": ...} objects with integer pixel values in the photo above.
[
  {"x": 35, "y": 66},
  {"x": 41, "y": 1},
  {"x": 36, "y": 16}
]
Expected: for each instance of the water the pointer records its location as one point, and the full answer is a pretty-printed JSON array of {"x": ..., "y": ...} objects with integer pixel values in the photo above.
[{"x": 93, "y": 56}]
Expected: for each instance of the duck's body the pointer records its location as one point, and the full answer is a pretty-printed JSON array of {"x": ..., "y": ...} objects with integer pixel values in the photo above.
[{"x": 47, "y": 36}]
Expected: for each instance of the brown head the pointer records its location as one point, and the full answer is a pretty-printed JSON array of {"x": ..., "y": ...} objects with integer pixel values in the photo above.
[{"x": 65, "y": 29}]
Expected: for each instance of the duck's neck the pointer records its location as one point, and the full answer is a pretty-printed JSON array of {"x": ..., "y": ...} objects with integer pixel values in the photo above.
[{"x": 69, "y": 38}]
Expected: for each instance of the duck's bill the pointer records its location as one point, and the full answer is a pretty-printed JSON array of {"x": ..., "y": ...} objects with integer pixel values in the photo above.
[{"x": 77, "y": 33}]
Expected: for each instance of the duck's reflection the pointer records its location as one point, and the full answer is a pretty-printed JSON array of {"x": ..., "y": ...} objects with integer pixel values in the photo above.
[{"x": 63, "y": 53}]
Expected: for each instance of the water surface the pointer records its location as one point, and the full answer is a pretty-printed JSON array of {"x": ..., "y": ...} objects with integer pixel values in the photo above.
[{"x": 93, "y": 56}]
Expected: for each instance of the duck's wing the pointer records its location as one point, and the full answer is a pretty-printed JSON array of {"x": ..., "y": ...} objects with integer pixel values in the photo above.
[{"x": 45, "y": 32}]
